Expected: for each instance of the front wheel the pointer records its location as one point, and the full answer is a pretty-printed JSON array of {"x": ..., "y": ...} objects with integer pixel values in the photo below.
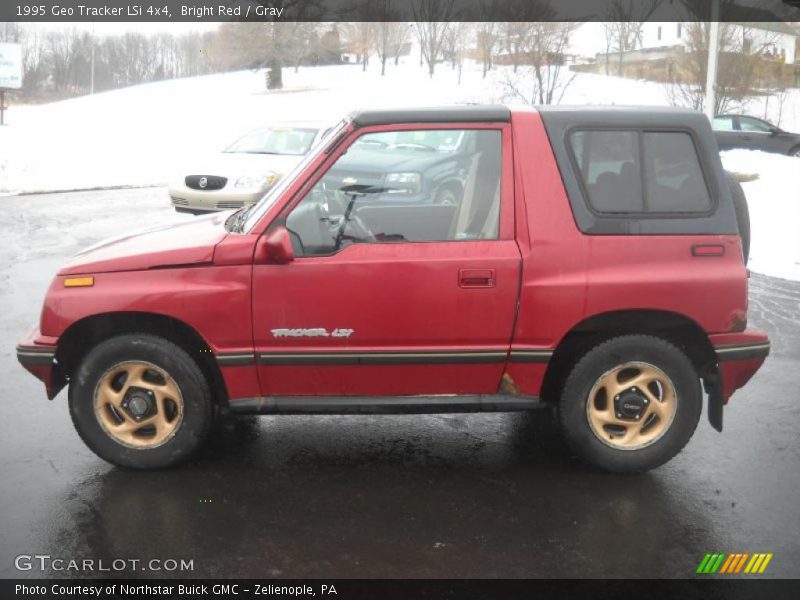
[
  {"x": 139, "y": 401},
  {"x": 449, "y": 195},
  {"x": 630, "y": 404}
]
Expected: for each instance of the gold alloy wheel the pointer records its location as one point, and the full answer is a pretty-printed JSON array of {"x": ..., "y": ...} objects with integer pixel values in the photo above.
[
  {"x": 631, "y": 406},
  {"x": 138, "y": 404}
]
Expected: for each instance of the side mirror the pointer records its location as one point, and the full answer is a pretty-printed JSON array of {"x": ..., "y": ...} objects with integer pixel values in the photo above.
[
  {"x": 774, "y": 130},
  {"x": 275, "y": 247}
]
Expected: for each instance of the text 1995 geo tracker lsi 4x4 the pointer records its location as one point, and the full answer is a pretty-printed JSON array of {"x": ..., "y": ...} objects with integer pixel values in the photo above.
[{"x": 588, "y": 259}]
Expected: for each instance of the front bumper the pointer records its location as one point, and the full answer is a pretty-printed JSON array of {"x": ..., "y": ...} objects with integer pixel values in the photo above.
[
  {"x": 37, "y": 354},
  {"x": 739, "y": 357}
]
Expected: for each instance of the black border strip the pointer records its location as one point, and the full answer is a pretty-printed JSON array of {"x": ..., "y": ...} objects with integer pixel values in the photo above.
[
  {"x": 344, "y": 405},
  {"x": 531, "y": 356},
  {"x": 701, "y": 587},
  {"x": 35, "y": 356},
  {"x": 382, "y": 358},
  {"x": 742, "y": 352},
  {"x": 403, "y": 11},
  {"x": 376, "y": 357},
  {"x": 235, "y": 359}
]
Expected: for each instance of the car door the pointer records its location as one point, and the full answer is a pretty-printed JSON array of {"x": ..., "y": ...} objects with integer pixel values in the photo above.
[
  {"x": 390, "y": 293},
  {"x": 758, "y": 135}
]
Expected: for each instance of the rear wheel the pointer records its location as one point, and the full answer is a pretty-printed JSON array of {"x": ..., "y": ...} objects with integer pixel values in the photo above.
[
  {"x": 140, "y": 401},
  {"x": 630, "y": 404},
  {"x": 795, "y": 151}
]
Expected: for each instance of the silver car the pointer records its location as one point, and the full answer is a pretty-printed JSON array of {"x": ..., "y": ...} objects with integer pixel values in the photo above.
[{"x": 245, "y": 170}]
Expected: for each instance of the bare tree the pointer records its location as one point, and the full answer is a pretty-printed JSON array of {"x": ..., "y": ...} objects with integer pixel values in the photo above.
[
  {"x": 486, "y": 40},
  {"x": 517, "y": 34},
  {"x": 11, "y": 33},
  {"x": 303, "y": 36},
  {"x": 431, "y": 22},
  {"x": 389, "y": 39},
  {"x": 487, "y": 33},
  {"x": 737, "y": 75},
  {"x": 623, "y": 26},
  {"x": 455, "y": 45},
  {"x": 544, "y": 82},
  {"x": 360, "y": 38},
  {"x": 389, "y": 33},
  {"x": 60, "y": 57},
  {"x": 278, "y": 43}
]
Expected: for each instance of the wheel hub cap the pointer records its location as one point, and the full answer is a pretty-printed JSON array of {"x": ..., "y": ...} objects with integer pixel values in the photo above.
[
  {"x": 631, "y": 406},
  {"x": 138, "y": 404}
]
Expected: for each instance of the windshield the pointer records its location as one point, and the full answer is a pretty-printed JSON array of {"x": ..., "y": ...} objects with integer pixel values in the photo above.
[
  {"x": 258, "y": 210},
  {"x": 439, "y": 140},
  {"x": 275, "y": 140}
]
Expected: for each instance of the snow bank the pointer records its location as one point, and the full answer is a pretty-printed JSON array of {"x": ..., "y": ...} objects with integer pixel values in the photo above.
[{"x": 774, "y": 202}]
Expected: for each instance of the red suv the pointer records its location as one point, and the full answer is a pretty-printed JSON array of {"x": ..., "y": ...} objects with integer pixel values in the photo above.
[{"x": 589, "y": 259}]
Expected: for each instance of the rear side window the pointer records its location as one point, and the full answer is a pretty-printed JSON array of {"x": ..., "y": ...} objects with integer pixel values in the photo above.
[
  {"x": 640, "y": 172},
  {"x": 673, "y": 177},
  {"x": 610, "y": 169}
]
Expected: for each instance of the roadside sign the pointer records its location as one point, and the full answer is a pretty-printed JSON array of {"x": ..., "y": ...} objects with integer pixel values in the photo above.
[{"x": 10, "y": 66}]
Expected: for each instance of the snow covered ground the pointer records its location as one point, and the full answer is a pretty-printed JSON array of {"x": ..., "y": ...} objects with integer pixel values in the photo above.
[
  {"x": 146, "y": 135},
  {"x": 774, "y": 203}
]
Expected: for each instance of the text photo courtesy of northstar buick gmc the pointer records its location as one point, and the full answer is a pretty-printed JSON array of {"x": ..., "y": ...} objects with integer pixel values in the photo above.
[{"x": 592, "y": 261}]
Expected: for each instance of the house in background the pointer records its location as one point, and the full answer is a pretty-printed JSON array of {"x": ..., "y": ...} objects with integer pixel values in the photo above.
[{"x": 776, "y": 40}]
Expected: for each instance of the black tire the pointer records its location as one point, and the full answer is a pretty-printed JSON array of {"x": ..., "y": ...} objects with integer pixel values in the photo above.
[
  {"x": 196, "y": 418},
  {"x": 742, "y": 213},
  {"x": 573, "y": 409},
  {"x": 795, "y": 152}
]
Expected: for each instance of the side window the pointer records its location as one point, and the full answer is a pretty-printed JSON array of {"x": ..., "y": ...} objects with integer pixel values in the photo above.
[
  {"x": 404, "y": 186},
  {"x": 614, "y": 164},
  {"x": 674, "y": 179},
  {"x": 753, "y": 125},
  {"x": 723, "y": 124},
  {"x": 609, "y": 165}
]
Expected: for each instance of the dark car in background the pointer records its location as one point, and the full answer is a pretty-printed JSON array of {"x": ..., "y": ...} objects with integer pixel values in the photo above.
[
  {"x": 751, "y": 133},
  {"x": 409, "y": 167}
]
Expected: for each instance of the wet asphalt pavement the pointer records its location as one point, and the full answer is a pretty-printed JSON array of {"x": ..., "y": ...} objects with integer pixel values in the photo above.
[{"x": 386, "y": 496}]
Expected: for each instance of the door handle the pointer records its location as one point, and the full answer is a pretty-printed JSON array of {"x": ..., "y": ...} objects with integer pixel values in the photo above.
[{"x": 476, "y": 278}]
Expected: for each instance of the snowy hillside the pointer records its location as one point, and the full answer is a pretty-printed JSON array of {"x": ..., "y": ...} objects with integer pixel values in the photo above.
[
  {"x": 142, "y": 135},
  {"x": 145, "y": 135}
]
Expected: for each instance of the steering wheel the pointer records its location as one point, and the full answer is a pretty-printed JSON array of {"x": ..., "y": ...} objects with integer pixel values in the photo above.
[
  {"x": 330, "y": 209},
  {"x": 360, "y": 231}
]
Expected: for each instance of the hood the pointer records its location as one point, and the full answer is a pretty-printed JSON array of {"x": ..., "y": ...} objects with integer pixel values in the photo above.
[
  {"x": 187, "y": 243},
  {"x": 233, "y": 165}
]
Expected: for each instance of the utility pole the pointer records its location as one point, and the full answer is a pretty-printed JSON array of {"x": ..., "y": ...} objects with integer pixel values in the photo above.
[{"x": 713, "y": 59}]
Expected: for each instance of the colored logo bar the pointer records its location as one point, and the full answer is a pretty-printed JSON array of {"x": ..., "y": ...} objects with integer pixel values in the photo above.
[{"x": 734, "y": 563}]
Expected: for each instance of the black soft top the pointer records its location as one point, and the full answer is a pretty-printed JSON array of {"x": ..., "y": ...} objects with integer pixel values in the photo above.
[{"x": 466, "y": 113}]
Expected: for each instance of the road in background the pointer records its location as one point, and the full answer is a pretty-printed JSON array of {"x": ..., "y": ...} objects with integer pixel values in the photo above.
[{"x": 385, "y": 496}]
